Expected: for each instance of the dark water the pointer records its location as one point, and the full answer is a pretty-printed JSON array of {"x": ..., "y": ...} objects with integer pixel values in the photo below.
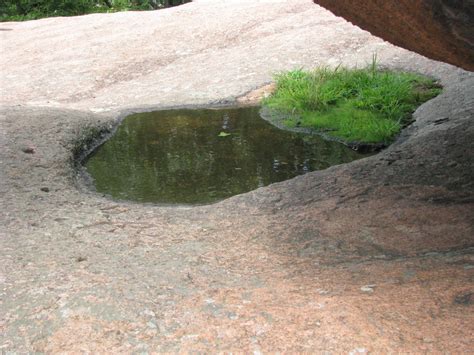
[{"x": 186, "y": 156}]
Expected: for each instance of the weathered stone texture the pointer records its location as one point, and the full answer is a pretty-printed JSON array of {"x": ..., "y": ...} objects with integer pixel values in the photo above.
[
  {"x": 285, "y": 268},
  {"x": 439, "y": 29}
]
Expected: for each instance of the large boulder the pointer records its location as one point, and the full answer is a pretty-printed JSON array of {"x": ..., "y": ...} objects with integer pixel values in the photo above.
[{"x": 439, "y": 29}]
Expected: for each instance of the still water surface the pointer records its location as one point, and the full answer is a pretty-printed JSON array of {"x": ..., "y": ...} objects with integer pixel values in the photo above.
[{"x": 202, "y": 156}]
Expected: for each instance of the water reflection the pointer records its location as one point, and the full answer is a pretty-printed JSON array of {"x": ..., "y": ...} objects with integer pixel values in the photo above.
[{"x": 202, "y": 156}]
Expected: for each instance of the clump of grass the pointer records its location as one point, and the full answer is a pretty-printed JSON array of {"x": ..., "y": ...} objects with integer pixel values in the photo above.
[{"x": 364, "y": 105}]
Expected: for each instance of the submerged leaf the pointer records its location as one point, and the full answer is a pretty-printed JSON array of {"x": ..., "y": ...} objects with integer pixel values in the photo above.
[{"x": 224, "y": 134}]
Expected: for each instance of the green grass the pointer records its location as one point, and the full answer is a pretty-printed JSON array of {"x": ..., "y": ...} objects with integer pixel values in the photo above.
[
  {"x": 24, "y": 10},
  {"x": 356, "y": 105}
]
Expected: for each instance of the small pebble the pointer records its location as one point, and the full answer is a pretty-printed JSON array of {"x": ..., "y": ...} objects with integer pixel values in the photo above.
[
  {"x": 149, "y": 313},
  {"x": 358, "y": 351},
  {"x": 28, "y": 150},
  {"x": 45, "y": 189},
  {"x": 367, "y": 288}
]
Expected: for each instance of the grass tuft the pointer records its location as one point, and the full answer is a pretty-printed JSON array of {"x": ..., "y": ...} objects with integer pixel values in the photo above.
[{"x": 357, "y": 105}]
